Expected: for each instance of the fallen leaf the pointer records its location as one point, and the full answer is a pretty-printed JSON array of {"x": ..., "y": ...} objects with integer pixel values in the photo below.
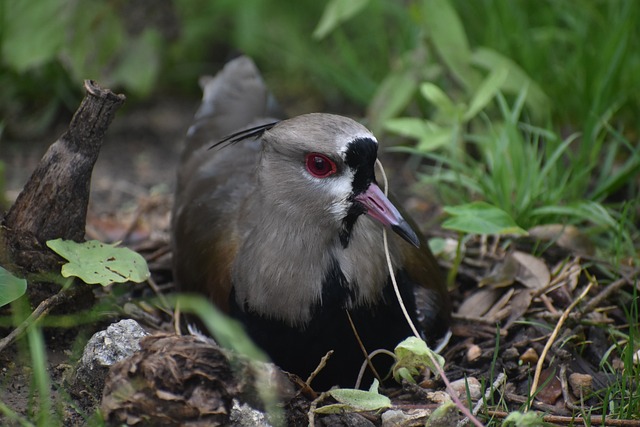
[
  {"x": 479, "y": 303},
  {"x": 502, "y": 274},
  {"x": 532, "y": 271},
  {"x": 566, "y": 236}
]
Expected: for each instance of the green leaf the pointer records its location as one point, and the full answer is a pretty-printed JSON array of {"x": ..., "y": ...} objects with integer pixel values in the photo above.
[
  {"x": 444, "y": 415},
  {"x": 411, "y": 127},
  {"x": 95, "y": 24},
  {"x": 437, "y": 97},
  {"x": 352, "y": 400},
  {"x": 392, "y": 96},
  {"x": 140, "y": 64},
  {"x": 33, "y": 34},
  {"x": 447, "y": 34},
  {"x": 11, "y": 287},
  {"x": 430, "y": 136},
  {"x": 480, "y": 218},
  {"x": 516, "y": 79},
  {"x": 413, "y": 354},
  {"x": 527, "y": 419},
  {"x": 335, "y": 13},
  {"x": 486, "y": 92},
  {"x": 97, "y": 262}
]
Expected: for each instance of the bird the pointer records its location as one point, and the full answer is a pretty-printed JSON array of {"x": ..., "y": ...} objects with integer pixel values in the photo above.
[{"x": 279, "y": 222}]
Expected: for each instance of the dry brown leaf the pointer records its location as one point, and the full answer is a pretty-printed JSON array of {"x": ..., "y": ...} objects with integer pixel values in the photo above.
[
  {"x": 566, "y": 236},
  {"x": 532, "y": 271},
  {"x": 553, "y": 388},
  {"x": 502, "y": 274},
  {"x": 479, "y": 303},
  {"x": 501, "y": 309},
  {"x": 519, "y": 305}
]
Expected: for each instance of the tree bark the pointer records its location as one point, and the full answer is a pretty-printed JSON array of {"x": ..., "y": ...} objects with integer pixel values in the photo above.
[{"x": 53, "y": 203}]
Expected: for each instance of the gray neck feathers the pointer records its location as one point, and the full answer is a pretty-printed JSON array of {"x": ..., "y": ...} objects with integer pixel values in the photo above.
[{"x": 286, "y": 256}]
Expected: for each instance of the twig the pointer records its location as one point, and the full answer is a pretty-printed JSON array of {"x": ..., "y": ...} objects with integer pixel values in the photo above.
[
  {"x": 390, "y": 264},
  {"x": 498, "y": 383},
  {"x": 314, "y": 406},
  {"x": 43, "y": 308},
  {"x": 540, "y": 406},
  {"x": 564, "y": 385},
  {"x": 320, "y": 367},
  {"x": 606, "y": 292},
  {"x": 575, "y": 421},
  {"x": 552, "y": 338},
  {"x": 373, "y": 354},
  {"x": 166, "y": 307},
  {"x": 395, "y": 285},
  {"x": 454, "y": 396},
  {"x": 364, "y": 351}
]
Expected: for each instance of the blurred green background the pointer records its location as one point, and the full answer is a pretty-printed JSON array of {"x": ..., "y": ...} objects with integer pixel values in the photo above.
[{"x": 529, "y": 105}]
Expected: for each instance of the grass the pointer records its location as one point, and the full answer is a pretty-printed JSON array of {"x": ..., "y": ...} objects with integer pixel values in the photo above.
[
  {"x": 536, "y": 177},
  {"x": 622, "y": 397}
]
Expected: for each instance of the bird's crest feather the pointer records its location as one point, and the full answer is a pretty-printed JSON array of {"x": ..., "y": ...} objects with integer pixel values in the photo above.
[{"x": 253, "y": 132}]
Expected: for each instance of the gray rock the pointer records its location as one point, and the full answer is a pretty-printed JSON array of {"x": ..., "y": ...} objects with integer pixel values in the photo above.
[
  {"x": 243, "y": 415},
  {"x": 119, "y": 341}
]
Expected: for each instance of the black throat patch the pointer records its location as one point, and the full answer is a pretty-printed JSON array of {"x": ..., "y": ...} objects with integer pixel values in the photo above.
[{"x": 360, "y": 157}]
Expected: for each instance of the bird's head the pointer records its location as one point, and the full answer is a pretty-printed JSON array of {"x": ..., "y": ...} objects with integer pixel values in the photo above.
[{"x": 323, "y": 165}]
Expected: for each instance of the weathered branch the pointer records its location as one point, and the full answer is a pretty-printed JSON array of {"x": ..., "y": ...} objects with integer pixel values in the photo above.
[{"x": 53, "y": 203}]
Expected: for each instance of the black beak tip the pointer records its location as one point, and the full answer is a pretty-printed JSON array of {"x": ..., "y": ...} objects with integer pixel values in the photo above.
[{"x": 404, "y": 230}]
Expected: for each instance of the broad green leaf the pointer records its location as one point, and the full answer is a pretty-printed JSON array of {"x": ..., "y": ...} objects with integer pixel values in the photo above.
[
  {"x": 527, "y": 419},
  {"x": 438, "y": 137},
  {"x": 33, "y": 33},
  {"x": 437, "y": 245},
  {"x": 11, "y": 287},
  {"x": 413, "y": 354},
  {"x": 486, "y": 92},
  {"x": 448, "y": 37},
  {"x": 97, "y": 262},
  {"x": 444, "y": 415},
  {"x": 411, "y": 127},
  {"x": 437, "y": 97},
  {"x": 95, "y": 24},
  {"x": 430, "y": 136},
  {"x": 335, "y": 13},
  {"x": 353, "y": 400},
  {"x": 140, "y": 64},
  {"x": 393, "y": 95},
  {"x": 480, "y": 218}
]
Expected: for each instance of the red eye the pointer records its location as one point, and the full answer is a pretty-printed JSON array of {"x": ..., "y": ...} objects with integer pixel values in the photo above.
[{"x": 320, "y": 165}]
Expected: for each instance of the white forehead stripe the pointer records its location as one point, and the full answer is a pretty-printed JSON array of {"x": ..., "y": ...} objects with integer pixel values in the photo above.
[{"x": 343, "y": 142}]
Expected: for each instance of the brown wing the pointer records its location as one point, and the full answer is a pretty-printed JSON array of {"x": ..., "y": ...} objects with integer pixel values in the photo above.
[
  {"x": 213, "y": 184},
  {"x": 432, "y": 297}
]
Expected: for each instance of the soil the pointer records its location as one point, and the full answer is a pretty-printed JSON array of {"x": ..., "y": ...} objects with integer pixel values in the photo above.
[{"x": 131, "y": 199}]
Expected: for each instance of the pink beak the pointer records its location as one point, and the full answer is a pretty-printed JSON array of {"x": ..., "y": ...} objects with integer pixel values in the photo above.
[{"x": 379, "y": 207}]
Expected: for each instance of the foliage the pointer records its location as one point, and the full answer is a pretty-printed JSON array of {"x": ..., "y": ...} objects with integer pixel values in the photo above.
[
  {"x": 11, "y": 287},
  {"x": 412, "y": 355},
  {"x": 353, "y": 400},
  {"x": 100, "y": 263},
  {"x": 583, "y": 55},
  {"x": 526, "y": 419},
  {"x": 480, "y": 218},
  {"x": 483, "y": 122},
  {"x": 49, "y": 48}
]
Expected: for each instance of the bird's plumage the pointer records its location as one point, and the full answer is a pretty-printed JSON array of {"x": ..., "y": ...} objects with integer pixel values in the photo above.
[{"x": 280, "y": 226}]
